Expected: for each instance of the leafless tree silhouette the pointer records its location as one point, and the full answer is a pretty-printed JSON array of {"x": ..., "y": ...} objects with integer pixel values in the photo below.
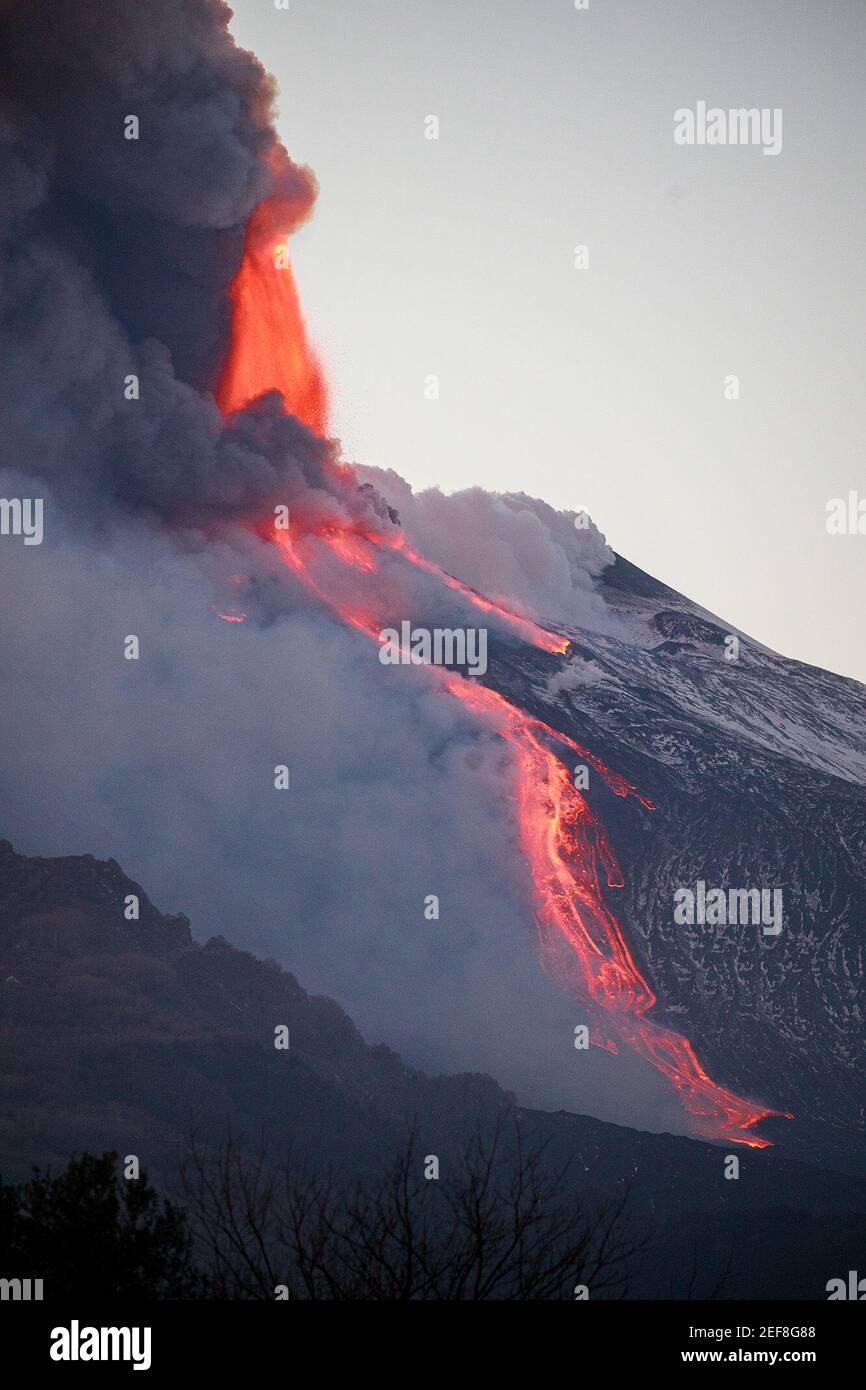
[{"x": 493, "y": 1226}]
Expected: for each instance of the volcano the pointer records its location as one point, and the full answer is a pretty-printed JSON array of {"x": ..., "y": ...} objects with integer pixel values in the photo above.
[{"x": 164, "y": 383}]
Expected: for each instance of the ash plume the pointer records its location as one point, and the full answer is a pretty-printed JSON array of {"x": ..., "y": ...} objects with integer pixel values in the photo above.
[{"x": 117, "y": 255}]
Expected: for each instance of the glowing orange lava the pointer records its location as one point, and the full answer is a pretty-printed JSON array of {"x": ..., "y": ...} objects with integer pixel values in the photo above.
[
  {"x": 530, "y": 631},
  {"x": 563, "y": 841},
  {"x": 268, "y": 349}
]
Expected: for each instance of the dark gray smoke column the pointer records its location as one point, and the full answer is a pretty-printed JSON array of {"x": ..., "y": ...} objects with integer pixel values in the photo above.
[{"x": 117, "y": 254}]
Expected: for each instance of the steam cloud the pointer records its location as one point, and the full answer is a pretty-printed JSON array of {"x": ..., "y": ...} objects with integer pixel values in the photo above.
[{"x": 115, "y": 258}]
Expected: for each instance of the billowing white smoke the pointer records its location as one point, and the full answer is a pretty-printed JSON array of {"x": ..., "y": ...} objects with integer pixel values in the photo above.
[{"x": 508, "y": 546}]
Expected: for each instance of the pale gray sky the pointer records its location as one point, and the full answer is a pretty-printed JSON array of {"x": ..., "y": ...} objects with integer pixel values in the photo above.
[{"x": 602, "y": 387}]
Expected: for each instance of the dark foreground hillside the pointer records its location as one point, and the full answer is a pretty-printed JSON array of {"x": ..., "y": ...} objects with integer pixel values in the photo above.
[{"x": 130, "y": 1036}]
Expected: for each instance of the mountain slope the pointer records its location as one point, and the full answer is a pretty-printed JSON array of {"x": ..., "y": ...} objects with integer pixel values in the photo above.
[{"x": 757, "y": 768}]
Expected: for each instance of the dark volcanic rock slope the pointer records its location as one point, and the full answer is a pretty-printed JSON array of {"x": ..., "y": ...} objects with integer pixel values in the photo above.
[{"x": 757, "y": 768}]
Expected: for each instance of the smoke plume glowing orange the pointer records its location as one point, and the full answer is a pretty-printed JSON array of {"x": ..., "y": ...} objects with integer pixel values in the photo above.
[{"x": 564, "y": 844}]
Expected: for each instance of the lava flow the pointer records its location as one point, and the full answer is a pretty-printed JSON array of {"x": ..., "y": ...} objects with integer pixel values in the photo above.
[{"x": 564, "y": 844}]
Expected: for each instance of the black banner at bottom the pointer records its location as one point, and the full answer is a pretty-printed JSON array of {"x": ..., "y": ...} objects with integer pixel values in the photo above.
[{"x": 160, "y": 1339}]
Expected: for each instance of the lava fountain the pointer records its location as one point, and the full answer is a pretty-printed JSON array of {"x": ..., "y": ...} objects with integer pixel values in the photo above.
[
  {"x": 268, "y": 336},
  {"x": 563, "y": 842}
]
